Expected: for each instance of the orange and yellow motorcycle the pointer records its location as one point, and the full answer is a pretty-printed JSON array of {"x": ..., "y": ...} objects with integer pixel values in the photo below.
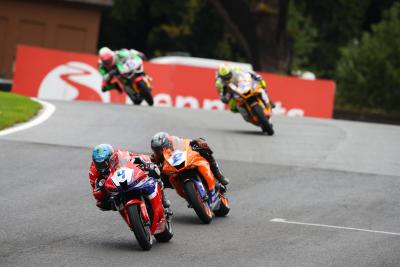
[
  {"x": 191, "y": 176},
  {"x": 247, "y": 95}
]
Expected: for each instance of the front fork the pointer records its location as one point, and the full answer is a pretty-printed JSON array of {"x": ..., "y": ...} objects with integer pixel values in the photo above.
[
  {"x": 141, "y": 77},
  {"x": 157, "y": 224},
  {"x": 210, "y": 197},
  {"x": 142, "y": 208}
]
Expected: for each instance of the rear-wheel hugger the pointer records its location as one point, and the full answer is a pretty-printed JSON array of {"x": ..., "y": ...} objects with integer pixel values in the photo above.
[
  {"x": 167, "y": 234},
  {"x": 141, "y": 231},
  {"x": 223, "y": 208},
  {"x": 146, "y": 92},
  {"x": 201, "y": 208},
  {"x": 266, "y": 126}
]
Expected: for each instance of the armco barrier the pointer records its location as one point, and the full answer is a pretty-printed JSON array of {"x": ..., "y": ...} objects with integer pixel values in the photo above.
[{"x": 59, "y": 75}]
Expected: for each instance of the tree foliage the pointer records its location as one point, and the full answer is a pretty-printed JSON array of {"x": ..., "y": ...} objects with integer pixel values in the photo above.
[
  {"x": 260, "y": 26},
  {"x": 337, "y": 22},
  {"x": 368, "y": 73},
  {"x": 303, "y": 36},
  {"x": 240, "y": 30},
  {"x": 274, "y": 35},
  {"x": 159, "y": 27}
]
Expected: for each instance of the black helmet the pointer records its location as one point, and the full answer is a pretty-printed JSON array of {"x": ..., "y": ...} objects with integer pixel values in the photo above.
[{"x": 159, "y": 141}]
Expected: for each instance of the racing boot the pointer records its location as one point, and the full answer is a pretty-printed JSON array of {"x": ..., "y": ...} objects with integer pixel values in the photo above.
[
  {"x": 166, "y": 204},
  {"x": 201, "y": 146},
  {"x": 217, "y": 172},
  {"x": 118, "y": 87}
]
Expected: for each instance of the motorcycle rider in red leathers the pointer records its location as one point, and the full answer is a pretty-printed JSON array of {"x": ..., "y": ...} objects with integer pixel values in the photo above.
[{"x": 105, "y": 160}]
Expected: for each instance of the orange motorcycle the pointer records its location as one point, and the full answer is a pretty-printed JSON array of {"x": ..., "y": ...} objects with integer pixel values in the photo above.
[
  {"x": 250, "y": 104},
  {"x": 191, "y": 176}
]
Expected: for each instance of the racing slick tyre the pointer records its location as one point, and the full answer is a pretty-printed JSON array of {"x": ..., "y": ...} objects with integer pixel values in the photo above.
[
  {"x": 136, "y": 99},
  {"x": 201, "y": 208},
  {"x": 167, "y": 234},
  {"x": 141, "y": 231},
  {"x": 223, "y": 208},
  {"x": 266, "y": 126},
  {"x": 146, "y": 92}
]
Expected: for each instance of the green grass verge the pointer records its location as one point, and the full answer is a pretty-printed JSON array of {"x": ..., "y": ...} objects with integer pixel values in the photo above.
[{"x": 15, "y": 108}]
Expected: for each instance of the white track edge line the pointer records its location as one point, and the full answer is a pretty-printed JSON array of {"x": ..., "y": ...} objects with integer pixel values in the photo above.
[
  {"x": 333, "y": 226},
  {"x": 45, "y": 113}
]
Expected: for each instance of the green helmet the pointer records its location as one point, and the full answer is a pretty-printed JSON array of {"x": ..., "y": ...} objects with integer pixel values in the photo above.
[{"x": 123, "y": 54}]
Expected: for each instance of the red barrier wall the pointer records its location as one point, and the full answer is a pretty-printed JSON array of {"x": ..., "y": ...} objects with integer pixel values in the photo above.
[{"x": 52, "y": 74}]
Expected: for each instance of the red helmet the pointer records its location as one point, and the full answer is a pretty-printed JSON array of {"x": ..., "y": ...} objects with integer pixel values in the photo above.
[{"x": 106, "y": 56}]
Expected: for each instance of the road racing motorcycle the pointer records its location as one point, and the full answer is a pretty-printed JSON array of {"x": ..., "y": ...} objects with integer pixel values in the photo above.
[
  {"x": 134, "y": 81},
  {"x": 184, "y": 168},
  {"x": 250, "y": 104},
  {"x": 127, "y": 186}
]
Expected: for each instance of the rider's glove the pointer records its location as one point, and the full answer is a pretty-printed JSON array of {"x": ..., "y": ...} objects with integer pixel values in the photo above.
[
  {"x": 107, "y": 77},
  {"x": 149, "y": 167},
  {"x": 154, "y": 171},
  {"x": 99, "y": 184},
  {"x": 256, "y": 76}
]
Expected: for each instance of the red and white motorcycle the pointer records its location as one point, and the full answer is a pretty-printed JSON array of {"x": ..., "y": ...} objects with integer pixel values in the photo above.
[{"x": 138, "y": 198}]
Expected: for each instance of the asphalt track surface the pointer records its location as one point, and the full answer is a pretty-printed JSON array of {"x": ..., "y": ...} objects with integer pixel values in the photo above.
[{"x": 328, "y": 172}]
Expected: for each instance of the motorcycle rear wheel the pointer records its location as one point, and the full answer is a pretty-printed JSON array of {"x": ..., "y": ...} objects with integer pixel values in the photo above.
[
  {"x": 146, "y": 92},
  {"x": 266, "y": 126},
  {"x": 202, "y": 210},
  {"x": 141, "y": 231}
]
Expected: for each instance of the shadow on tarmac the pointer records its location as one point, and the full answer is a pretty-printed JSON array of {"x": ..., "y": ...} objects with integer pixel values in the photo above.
[{"x": 253, "y": 132}]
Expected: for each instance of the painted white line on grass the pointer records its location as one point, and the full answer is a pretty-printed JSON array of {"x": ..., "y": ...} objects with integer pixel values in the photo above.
[
  {"x": 45, "y": 113},
  {"x": 278, "y": 220}
]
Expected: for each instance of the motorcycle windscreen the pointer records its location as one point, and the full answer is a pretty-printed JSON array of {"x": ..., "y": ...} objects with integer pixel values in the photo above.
[
  {"x": 123, "y": 175},
  {"x": 178, "y": 159}
]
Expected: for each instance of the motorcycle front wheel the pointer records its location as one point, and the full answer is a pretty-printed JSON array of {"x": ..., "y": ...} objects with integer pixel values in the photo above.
[
  {"x": 141, "y": 231},
  {"x": 201, "y": 208},
  {"x": 266, "y": 126},
  {"x": 146, "y": 92},
  {"x": 136, "y": 99}
]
